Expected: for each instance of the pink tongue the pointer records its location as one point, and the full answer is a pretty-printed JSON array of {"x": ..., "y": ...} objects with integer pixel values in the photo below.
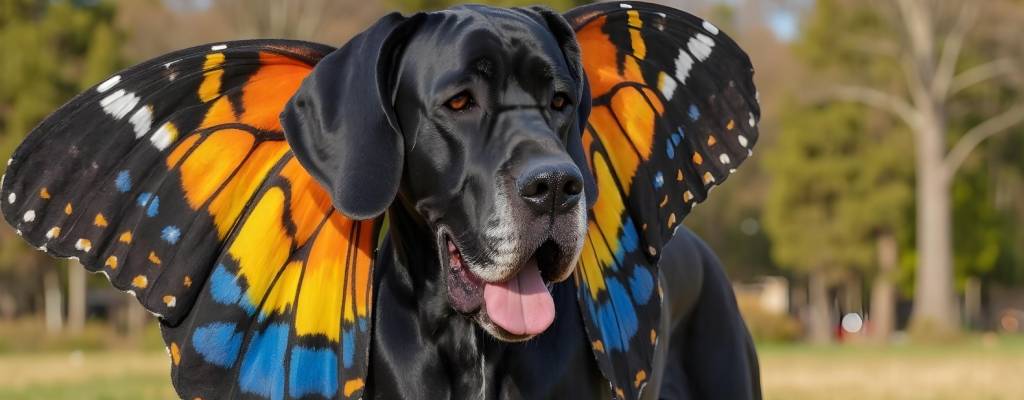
[{"x": 521, "y": 305}]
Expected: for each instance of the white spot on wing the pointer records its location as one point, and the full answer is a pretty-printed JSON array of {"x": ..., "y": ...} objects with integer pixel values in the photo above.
[
  {"x": 751, "y": 121},
  {"x": 11, "y": 198},
  {"x": 83, "y": 245},
  {"x": 711, "y": 28},
  {"x": 683, "y": 65},
  {"x": 163, "y": 137},
  {"x": 700, "y": 46},
  {"x": 624, "y": 5},
  {"x": 109, "y": 83},
  {"x": 119, "y": 103},
  {"x": 29, "y": 216},
  {"x": 743, "y": 140},
  {"x": 142, "y": 121},
  {"x": 668, "y": 86},
  {"x": 724, "y": 158},
  {"x": 219, "y": 47}
]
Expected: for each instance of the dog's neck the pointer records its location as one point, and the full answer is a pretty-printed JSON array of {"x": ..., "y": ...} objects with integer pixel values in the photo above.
[
  {"x": 416, "y": 270},
  {"x": 415, "y": 321}
]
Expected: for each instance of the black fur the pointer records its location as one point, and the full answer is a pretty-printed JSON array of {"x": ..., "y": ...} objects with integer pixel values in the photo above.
[{"x": 372, "y": 124}]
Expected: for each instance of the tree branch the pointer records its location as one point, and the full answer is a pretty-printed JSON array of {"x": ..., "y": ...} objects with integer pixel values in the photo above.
[
  {"x": 880, "y": 100},
  {"x": 980, "y": 73},
  {"x": 920, "y": 94},
  {"x": 954, "y": 43},
  {"x": 999, "y": 123}
]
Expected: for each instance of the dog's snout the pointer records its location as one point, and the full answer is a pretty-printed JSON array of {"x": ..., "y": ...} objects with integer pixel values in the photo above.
[{"x": 551, "y": 187}]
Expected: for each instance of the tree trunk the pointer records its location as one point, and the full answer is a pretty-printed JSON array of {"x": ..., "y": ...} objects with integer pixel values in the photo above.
[
  {"x": 883, "y": 292},
  {"x": 933, "y": 296},
  {"x": 76, "y": 297},
  {"x": 972, "y": 302},
  {"x": 820, "y": 325},
  {"x": 135, "y": 318},
  {"x": 52, "y": 301}
]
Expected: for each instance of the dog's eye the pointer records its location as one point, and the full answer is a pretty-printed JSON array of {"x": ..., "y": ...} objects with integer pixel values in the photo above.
[
  {"x": 459, "y": 102},
  {"x": 559, "y": 101}
]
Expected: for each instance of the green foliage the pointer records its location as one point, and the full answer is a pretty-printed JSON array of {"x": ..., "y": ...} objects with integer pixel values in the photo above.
[
  {"x": 850, "y": 38},
  {"x": 840, "y": 178},
  {"x": 53, "y": 49},
  {"x": 418, "y": 5}
]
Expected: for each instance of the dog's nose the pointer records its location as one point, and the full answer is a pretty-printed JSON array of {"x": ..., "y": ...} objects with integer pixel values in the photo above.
[{"x": 551, "y": 187}]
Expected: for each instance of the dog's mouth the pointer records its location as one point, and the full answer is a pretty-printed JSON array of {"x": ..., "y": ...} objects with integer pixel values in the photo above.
[{"x": 515, "y": 308}]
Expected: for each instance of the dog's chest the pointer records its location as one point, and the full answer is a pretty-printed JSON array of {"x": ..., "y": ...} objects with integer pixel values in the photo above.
[{"x": 451, "y": 358}]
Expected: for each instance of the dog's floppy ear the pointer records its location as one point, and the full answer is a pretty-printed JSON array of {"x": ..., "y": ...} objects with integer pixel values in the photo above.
[
  {"x": 341, "y": 123},
  {"x": 566, "y": 38}
]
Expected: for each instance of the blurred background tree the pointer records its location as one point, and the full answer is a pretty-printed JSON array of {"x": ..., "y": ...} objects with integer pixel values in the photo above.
[
  {"x": 922, "y": 56},
  {"x": 840, "y": 195},
  {"x": 54, "y": 49}
]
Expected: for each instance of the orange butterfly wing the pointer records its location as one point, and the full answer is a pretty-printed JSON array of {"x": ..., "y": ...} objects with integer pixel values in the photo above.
[
  {"x": 674, "y": 113},
  {"x": 174, "y": 179}
]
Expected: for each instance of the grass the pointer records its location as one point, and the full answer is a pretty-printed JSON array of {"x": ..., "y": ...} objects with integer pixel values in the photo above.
[
  {"x": 979, "y": 367},
  {"x": 110, "y": 375}
]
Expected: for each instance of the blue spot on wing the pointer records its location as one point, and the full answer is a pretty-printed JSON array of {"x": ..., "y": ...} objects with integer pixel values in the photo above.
[
  {"x": 659, "y": 180},
  {"x": 262, "y": 370},
  {"x": 622, "y": 313},
  {"x": 225, "y": 290},
  {"x": 641, "y": 284},
  {"x": 628, "y": 242},
  {"x": 217, "y": 343},
  {"x": 123, "y": 182},
  {"x": 348, "y": 348},
  {"x": 170, "y": 234},
  {"x": 151, "y": 202},
  {"x": 670, "y": 150},
  {"x": 313, "y": 371},
  {"x": 154, "y": 207},
  {"x": 694, "y": 112},
  {"x": 223, "y": 287}
]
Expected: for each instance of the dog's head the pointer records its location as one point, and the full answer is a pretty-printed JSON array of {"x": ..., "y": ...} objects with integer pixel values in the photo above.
[{"x": 472, "y": 117}]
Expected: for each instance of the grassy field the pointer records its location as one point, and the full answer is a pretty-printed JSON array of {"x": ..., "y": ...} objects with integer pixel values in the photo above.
[{"x": 977, "y": 368}]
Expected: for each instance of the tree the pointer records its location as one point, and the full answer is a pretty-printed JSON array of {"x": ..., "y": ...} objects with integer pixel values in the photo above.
[
  {"x": 840, "y": 198},
  {"x": 932, "y": 38},
  {"x": 54, "y": 50},
  {"x": 840, "y": 186}
]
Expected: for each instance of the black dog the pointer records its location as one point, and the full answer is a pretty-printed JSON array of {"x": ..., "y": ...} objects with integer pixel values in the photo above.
[
  {"x": 467, "y": 126},
  {"x": 487, "y": 102}
]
